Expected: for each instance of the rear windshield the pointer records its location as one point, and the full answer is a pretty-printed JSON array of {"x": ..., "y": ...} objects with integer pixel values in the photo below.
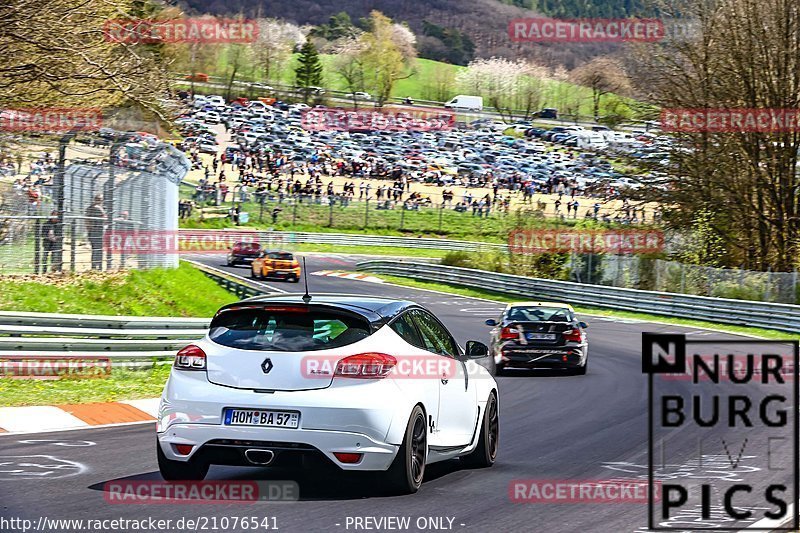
[
  {"x": 539, "y": 314},
  {"x": 280, "y": 256},
  {"x": 287, "y": 331}
]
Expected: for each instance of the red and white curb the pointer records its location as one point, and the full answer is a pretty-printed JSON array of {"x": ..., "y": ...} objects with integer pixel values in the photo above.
[
  {"x": 36, "y": 419},
  {"x": 347, "y": 275}
]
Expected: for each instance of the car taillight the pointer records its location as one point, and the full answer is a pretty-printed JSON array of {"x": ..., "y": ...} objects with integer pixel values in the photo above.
[
  {"x": 509, "y": 333},
  {"x": 370, "y": 365},
  {"x": 348, "y": 458},
  {"x": 191, "y": 358},
  {"x": 575, "y": 335}
]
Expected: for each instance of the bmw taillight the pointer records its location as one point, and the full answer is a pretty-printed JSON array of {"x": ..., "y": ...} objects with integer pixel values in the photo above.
[
  {"x": 575, "y": 335},
  {"x": 371, "y": 365},
  {"x": 190, "y": 358},
  {"x": 509, "y": 333}
]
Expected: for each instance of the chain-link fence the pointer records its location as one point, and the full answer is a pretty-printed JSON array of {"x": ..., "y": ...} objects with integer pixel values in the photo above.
[
  {"x": 61, "y": 201},
  {"x": 638, "y": 272}
]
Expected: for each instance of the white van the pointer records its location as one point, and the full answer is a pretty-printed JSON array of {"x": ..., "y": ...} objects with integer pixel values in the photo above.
[{"x": 470, "y": 103}]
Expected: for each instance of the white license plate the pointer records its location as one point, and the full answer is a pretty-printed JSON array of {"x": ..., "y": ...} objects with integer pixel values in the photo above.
[
  {"x": 541, "y": 336},
  {"x": 262, "y": 417}
]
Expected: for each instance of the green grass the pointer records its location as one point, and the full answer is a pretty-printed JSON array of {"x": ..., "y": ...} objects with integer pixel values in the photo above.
[
  {"x": 122, "y": 384},
  {"x": 420, "y": 84},
  {"x": 184, "y": 291},
  {"x": 498, "y": 297}
]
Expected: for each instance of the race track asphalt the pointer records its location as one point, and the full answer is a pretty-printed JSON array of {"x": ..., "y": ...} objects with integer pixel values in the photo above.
[{"x": 553, "y": 427}]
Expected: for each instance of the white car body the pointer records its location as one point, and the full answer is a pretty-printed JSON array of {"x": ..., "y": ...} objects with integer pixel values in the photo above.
[
  {"x": 359, "y": 95},
  {"x": 466, "y": 102},
  {"x": 337, "y": 414}
]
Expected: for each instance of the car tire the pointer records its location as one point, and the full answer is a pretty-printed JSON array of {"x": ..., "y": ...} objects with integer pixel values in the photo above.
[
  {"x": 499, "y": 370},
  {"x": 485, "y": 453},
  {"x": 191, "y": 470},
  {"x": 581, "y": 370},
  {"x": 408, "y": 468},
  {"x": 294, "y": 279}
]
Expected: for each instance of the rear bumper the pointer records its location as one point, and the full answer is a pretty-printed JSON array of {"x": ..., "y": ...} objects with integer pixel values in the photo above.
[
  {"x": 241, "y": 258},
  {"x": 226, "y": 445},
  {"x": 332, "y": 419},
  {"x": 541, "y": 356},
  {"x": 283, "y": 274}
]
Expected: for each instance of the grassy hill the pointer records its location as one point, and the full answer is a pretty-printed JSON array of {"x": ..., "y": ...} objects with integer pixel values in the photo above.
[
  {"x": 422, "y": 85},
  {"x": 484, "y": 21}
]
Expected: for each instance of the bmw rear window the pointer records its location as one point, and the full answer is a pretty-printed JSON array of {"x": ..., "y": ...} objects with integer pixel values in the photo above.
[
  {"x": 540, "y": 314},
  {"x": 287, "y": 329}
]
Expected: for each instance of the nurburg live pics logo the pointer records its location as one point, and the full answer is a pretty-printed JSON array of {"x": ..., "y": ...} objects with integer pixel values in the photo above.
[{"x": 738, "y": 403}]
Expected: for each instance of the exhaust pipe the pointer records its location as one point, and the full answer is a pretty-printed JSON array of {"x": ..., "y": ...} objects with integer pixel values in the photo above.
[{"x": 259, "y": 457}]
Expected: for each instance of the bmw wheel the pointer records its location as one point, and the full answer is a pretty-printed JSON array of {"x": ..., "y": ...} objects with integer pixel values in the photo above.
[
  {"x": 406, "y": 473},
  {"x": 485, "y": 452}
]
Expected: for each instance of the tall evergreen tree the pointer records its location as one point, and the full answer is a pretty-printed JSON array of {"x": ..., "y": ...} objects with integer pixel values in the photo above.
[{"x": 309, "y": 70}]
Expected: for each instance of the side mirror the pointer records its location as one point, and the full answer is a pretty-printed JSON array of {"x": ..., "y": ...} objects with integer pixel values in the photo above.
[
  {"x": 491, "y": 322},
  {"x": 584, "y": 325},
  {"x": 476, "y": 350}
]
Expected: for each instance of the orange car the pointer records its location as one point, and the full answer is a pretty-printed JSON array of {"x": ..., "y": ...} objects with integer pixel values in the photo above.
[{"x": 280, "y": 265}]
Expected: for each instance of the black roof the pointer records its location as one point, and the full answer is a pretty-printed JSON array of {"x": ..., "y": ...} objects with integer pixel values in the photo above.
[{"x": 374, "y": 308}]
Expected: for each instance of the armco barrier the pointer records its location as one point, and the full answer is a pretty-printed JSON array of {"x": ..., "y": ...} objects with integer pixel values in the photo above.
[
  {"x": 352, "y": 239},
  {"x": 779, "y": 317},
  {"x": 116, "y": 337},
  {"x": 235, "y": 284},
  {"x": 121, "y": 338}
]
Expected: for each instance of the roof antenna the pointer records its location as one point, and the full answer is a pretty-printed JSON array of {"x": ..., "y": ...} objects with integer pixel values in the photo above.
[{"x": 306, "y": 296}]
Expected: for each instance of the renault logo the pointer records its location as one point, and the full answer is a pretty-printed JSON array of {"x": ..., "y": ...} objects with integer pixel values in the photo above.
[{"x": 266, "y": 366}]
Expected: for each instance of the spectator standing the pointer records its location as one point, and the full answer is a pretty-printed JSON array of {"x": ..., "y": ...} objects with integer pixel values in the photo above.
[
  {"x": 95, "y": 226},
  {"x": 49, "y": 241}
]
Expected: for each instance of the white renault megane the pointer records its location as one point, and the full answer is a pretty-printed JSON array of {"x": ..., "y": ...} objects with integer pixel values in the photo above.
[{"x": 363, "y": 383}]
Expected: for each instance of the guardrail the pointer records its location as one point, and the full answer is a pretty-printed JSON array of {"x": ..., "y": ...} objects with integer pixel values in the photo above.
[
  {"x": 115, "y": 337},
  {"x": 280, "y": 238},
  {"x": 780, "y": 317},
  {"x": 120, "y": 338},
  {"x": 236, "y": 285}
]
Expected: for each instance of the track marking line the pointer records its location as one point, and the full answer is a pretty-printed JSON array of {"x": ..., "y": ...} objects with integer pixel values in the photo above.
[{"x": 81, "y": 428}]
